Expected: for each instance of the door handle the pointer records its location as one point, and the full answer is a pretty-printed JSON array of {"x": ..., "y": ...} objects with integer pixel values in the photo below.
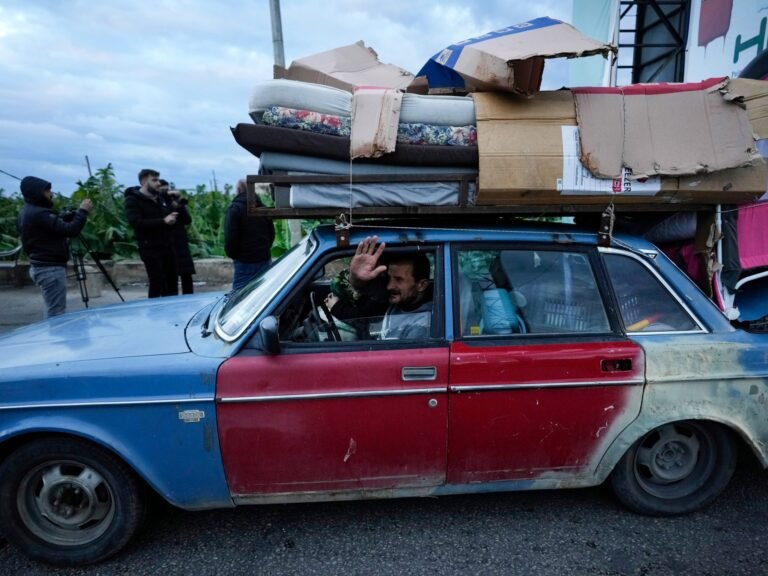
[
  {"x": 616, "y": 365},
  {"x": 417, "y": 373}
]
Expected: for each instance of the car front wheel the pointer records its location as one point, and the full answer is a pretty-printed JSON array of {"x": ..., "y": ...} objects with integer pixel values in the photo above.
[
  {"x": 675, "y": 469},
  {"x": 67, "y": 502}
]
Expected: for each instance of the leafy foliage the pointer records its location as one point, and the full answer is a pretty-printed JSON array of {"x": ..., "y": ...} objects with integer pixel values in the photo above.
[{"x": 10, "y": 206}]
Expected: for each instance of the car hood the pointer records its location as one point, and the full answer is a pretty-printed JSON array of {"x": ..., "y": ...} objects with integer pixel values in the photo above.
[{"x": 138, "y": 328}]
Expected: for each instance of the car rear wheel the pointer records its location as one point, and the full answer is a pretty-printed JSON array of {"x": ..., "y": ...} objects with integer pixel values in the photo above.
[
  {"x": 68, "y": 502},
  {"x": 676, "y": 468}
]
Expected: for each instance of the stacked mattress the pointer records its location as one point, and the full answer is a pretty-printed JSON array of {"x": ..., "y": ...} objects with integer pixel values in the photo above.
[{"x": 303, "y": 128}]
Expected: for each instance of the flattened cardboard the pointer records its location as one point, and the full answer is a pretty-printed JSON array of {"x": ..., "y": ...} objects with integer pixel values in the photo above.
[
  {"x": 521, "y": 144},
  {"x": 346, "y": 67},
  {"x": 753, "y": 95},
  {"x": 510, "y": 59},
  {"x": 662, "y": 129},
  {"x": 375, "y": 116}
]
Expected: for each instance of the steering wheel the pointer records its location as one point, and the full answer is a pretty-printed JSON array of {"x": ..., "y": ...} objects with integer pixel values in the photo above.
[{"x": 329, "y": 324}]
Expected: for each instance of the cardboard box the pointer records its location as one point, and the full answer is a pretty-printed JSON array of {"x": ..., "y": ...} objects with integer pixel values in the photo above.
[
  {"x": 528, "y": 156},
  {"x": 510, "y": 59},
  {"x": 663, "y": 129},
  {"x": 753, "y": 95},
  {"x": 345, "y": 68}
]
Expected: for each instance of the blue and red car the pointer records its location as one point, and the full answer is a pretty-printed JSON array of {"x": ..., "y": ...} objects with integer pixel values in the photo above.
[{"x": 552, "y": 361}]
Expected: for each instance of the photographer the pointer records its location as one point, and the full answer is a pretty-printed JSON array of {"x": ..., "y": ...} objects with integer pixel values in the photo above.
[
  {"x": 153, "y": 221},
  {"x": 44, "y": 234},
  {"x": 185, "y": 266}
]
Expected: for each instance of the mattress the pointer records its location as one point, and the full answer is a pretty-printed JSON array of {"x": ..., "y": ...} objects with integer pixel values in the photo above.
[
  {"x": 415, "y": 109},
  {"x": 333, "y": 125},
  {"x": 301, "y": 95},
  {"x": 283, "y": 162},
  {"x": 377, "y": 195},
  {"x": 259, "y": 138}
]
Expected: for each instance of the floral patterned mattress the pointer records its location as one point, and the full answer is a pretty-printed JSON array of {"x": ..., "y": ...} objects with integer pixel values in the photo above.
[{"x": 409, "y": 133}]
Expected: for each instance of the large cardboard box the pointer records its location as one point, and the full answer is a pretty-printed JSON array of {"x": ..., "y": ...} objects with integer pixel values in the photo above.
[{"x": 530, "y": 155}]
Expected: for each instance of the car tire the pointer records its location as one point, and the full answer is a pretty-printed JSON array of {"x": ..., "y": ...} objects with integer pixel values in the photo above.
[
  {"x": 68, "y": 502},
  {"x": 676, "y": 468}
]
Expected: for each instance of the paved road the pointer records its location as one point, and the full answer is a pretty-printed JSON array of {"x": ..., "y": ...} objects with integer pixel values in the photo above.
[
  {"x": 570, "y": 532},
  {"x": 21, "y": 306}
]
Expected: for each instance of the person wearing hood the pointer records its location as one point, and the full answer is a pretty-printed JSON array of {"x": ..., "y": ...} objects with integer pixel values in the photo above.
[
  {"x": 153, "y": 221},
  {"x": 247, "y": 239},
  {"x": 44, "y": 234}
]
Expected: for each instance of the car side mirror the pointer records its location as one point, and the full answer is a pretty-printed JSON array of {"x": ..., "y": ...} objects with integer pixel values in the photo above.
[{"x": 269, "y": 337}]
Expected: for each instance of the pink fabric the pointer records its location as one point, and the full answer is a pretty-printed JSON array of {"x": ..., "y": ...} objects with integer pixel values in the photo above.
[
  {"x": 752, "y": 235},
  {"x": 688, "y": 260}
]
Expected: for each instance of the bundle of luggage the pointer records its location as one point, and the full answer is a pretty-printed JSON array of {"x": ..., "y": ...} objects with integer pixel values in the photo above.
[{"x": 669, "y": 144}]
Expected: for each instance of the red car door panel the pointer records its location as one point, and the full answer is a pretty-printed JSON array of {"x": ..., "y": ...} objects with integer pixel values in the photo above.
[
  {"x": 522, "y": 411},
  {"x": 335, "y": 420}
]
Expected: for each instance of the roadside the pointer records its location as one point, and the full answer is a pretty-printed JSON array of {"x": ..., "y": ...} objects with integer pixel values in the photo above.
[{"x": 20, "y": 306}]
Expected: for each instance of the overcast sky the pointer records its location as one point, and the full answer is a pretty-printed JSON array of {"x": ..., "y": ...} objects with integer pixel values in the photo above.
[{"x": 140, "y": 83}]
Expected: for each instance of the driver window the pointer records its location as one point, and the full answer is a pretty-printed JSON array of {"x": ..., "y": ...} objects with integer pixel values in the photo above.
[{"x": 397, "y": 305}]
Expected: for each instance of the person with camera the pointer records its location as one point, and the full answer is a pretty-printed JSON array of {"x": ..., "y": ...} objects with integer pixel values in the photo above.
[
  {"x": 153, "y": 221},
  {"x": 44, "y": 234},
  {"x": 185, "y": 266}
]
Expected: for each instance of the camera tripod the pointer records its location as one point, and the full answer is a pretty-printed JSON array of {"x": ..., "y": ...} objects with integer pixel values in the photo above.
[{"x": 78, "y": 259}]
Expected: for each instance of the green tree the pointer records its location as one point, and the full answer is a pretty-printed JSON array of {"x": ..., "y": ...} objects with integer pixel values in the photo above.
[
  {"x": 107, "y": 232},
  {"x": 10, "y": 207}
]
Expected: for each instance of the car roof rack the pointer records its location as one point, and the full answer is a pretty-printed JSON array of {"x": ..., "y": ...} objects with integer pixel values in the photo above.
[{"x": 273, "y": 185}]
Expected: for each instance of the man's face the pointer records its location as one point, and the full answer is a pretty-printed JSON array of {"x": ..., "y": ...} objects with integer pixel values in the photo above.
[
  {"x": 153, "y": 183},
  {"x": 402, "y": 287}
]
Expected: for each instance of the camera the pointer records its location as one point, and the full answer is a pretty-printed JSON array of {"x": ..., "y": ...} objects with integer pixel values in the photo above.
[{"x": 68, "y": 213}]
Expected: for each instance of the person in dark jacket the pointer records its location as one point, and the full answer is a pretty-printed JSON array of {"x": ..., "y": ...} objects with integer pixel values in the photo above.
[
  {"x": 185, "y": 266},
  {"x": 247, "y": 239},
  {"x": 153, "y": 221},
  {"x": 44, "y": 234}
]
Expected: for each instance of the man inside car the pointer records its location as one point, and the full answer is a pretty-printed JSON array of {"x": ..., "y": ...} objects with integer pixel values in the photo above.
[{"x": 400, "y": 290}]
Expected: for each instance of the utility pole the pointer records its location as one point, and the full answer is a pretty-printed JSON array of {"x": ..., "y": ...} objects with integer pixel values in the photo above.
[
  {"x": 294, "y": 226},
  {"x": 277, "y": 32}
]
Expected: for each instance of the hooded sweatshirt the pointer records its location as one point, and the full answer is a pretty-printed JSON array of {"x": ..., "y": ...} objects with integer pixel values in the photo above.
[
  {"x": 44, "y": 232},
  {"x": 247, "y": 238}
]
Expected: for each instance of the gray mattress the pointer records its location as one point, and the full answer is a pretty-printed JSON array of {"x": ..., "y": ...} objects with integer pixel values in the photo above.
[
  {"x": 284, "y": 162},
  {"x": 375, "y": 195}
]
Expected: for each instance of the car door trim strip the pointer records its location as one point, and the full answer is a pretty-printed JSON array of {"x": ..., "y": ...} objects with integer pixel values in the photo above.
[
  {"x": 531, "y": 385},
  {"x": 92, "y": 404},
  {"x": 330, "y": 395}
]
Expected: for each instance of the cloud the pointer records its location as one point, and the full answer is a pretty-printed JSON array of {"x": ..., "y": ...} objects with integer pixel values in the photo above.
[{"x": 157, "y": 84}]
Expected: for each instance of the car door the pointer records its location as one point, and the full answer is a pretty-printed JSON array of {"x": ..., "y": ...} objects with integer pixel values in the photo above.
[
  {"x": 323, "y": 415},
  {"x": 541, "y": 378}
]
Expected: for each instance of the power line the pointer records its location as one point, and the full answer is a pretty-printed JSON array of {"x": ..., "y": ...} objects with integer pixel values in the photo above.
[{"x": 9, "y": 174}]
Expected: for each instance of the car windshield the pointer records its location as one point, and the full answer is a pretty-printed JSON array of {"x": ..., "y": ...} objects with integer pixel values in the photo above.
[{"x": 246, "y": 304}]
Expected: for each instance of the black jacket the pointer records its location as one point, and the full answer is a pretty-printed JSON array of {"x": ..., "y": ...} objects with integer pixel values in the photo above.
[
  {"x": 44, "y": 232},
  {"x": 247, "y": 238},
  {"x": 184, "y": 262},
  {"x": 146, "y": 216}
]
